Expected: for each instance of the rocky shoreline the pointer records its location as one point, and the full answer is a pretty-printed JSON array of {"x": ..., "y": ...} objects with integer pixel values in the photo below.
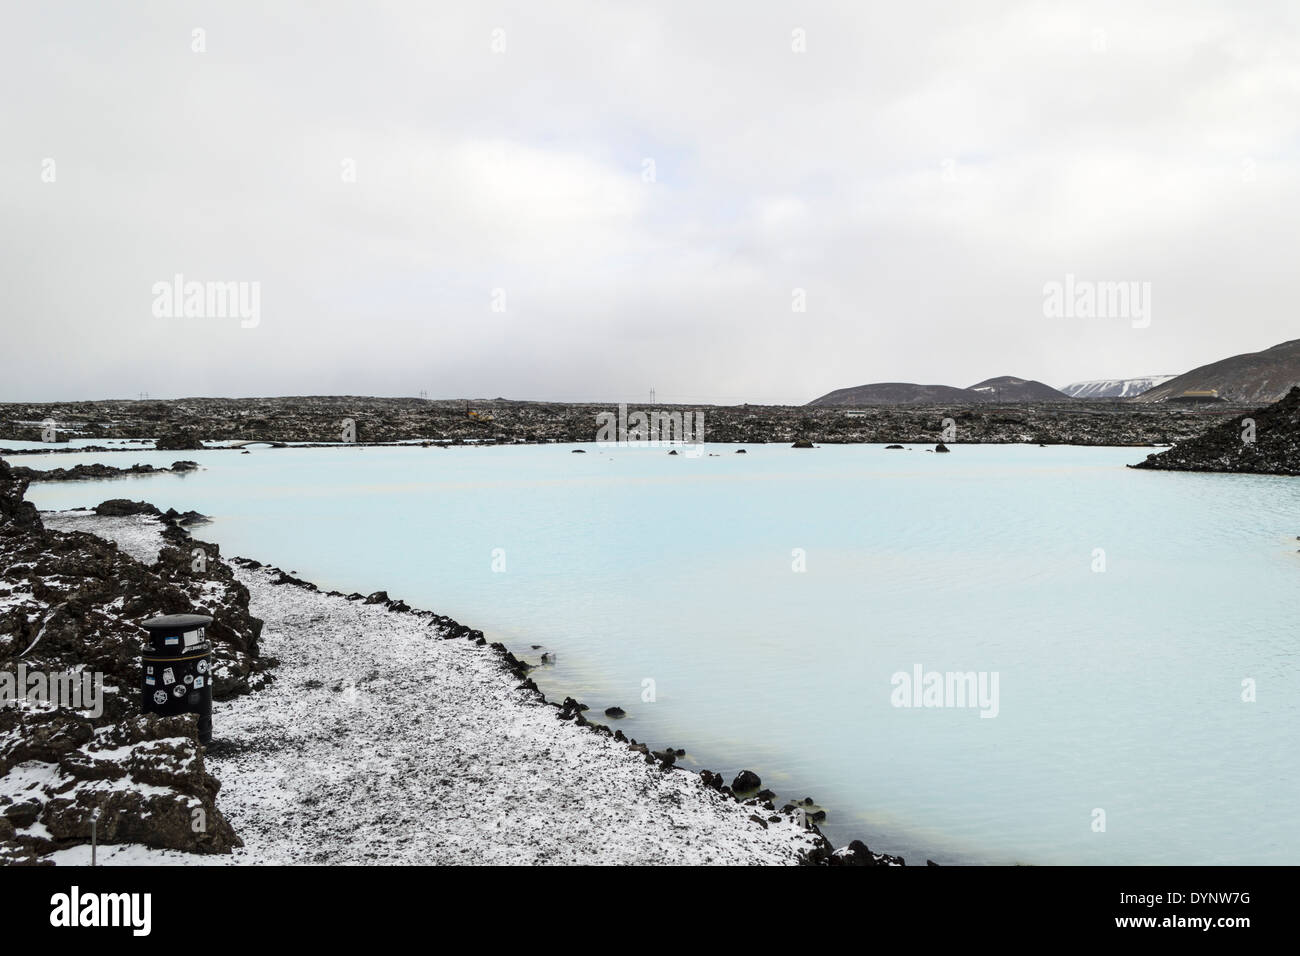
[
  {"x": 70, "y": 603},
  {"x": 71, "y": 600},
  {"x": 1262, "y": 441}
]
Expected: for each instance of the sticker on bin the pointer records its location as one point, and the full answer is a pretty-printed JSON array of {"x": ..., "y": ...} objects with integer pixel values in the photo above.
[
  {"x": 193, "y": 637},
  {"x": 179, "y": 690},
  {"x": 160, "y": 697},
  {"x": 198, "y": 683},
  {"x": 172, "y": 640},
  {"x": 168, "y": 676},
  {"x": 150, "y": 681}
]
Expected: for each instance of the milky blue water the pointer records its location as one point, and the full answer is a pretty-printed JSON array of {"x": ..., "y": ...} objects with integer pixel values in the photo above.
[{"x": 1119, "y": 690}]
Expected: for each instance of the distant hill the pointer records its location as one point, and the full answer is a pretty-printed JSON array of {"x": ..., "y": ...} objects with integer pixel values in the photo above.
[
  {"x": 1005, "y": 388},
  {"x": 901, "y": 393},
  {"x": 1008, "y": 388},
  {"x": 1274, "y": 451},
  {"x": 1250, "y": 377},
  {"x": 1114, "y": 387}
]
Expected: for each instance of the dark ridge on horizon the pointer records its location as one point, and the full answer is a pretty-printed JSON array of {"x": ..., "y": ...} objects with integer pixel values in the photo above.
[{"x": 1263, "y": 376}]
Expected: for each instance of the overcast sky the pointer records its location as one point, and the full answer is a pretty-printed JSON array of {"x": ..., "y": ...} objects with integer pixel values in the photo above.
[{"x": 642, "y": 186}]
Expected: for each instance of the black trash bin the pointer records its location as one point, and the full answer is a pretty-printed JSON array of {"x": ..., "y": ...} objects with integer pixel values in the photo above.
[{"x": 176, "y": 669}]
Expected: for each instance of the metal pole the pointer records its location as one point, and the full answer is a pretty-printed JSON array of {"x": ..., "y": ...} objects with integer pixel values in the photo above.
[{"x": 94, "y": 833}]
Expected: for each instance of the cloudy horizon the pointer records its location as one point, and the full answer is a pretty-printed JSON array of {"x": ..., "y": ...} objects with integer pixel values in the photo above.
[{"x": 577, "y": 202}]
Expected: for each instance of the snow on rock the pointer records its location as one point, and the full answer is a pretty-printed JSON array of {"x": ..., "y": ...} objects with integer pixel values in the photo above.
[
  {"x": 1114, "y": 387},
  {"x": 73, "y": 740},
  {"x": 137, "y": 535}
]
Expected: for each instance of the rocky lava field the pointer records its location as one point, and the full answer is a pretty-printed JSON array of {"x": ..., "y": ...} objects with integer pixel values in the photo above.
[{"x": 183, "y": 423}]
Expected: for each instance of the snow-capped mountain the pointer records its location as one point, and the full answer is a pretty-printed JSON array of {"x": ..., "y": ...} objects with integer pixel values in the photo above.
[{"x": 1114, "y": 387}]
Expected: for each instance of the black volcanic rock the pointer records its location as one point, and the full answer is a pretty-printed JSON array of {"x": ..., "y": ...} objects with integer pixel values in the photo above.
[
  {"x": 179, "y": 440},
  {"x": 443, "y": 423},
  {"x": 74, "y": 603},
  {"x": 1274, "y": 451},
  {"x": 16, "y": 513},
  {"x": 121, "y": 507},
  {"x": 1249, "y": 378}
]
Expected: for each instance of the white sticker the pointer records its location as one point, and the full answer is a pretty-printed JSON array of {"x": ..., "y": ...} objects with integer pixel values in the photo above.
[
  {"x": 149, "y": 669},
  {"x": 189, "y": 678},
  {"x": 192, "y": 637},
  {"x": 160, "y": 697},
  {"x": 179, "y": 690},
  {"x": 198, "y": 682},
  {"x": 149, "y": 681},
  {"x": 172, "y": 640},
  {"x": 168, "y": 676}
]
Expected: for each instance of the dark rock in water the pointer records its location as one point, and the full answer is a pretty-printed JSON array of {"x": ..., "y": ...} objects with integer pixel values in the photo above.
[
  {"x": 121, "y": 507},
  {"x": 802, "y": 443},
  {"x": 856, "y": 854},
  {"x": 746, "y": 780},
  {"x": 765, "y": 794},
  {"x": 673, "y": 452},
  {"x": 379, "y": 597},
  {"x": 931, "y": 863},
  {"x": 579, "y": 451},
  {"x": 615, "y": 712},
  {"x": 892, "y": 447},
  {"x": 666, "y": 757},
  {"x": 941, "y": 447},
  {"x": 741, "y": 451},
  {"x": 572, "y": 709},
  {"x": 179, "y": 440},
  {"x": 185, "y": 466}
]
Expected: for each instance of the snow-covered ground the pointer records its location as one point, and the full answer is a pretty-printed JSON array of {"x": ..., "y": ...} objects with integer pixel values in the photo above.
[
  {"x": 380, "y": 742},
  {"x": 137, "y": 535}
]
